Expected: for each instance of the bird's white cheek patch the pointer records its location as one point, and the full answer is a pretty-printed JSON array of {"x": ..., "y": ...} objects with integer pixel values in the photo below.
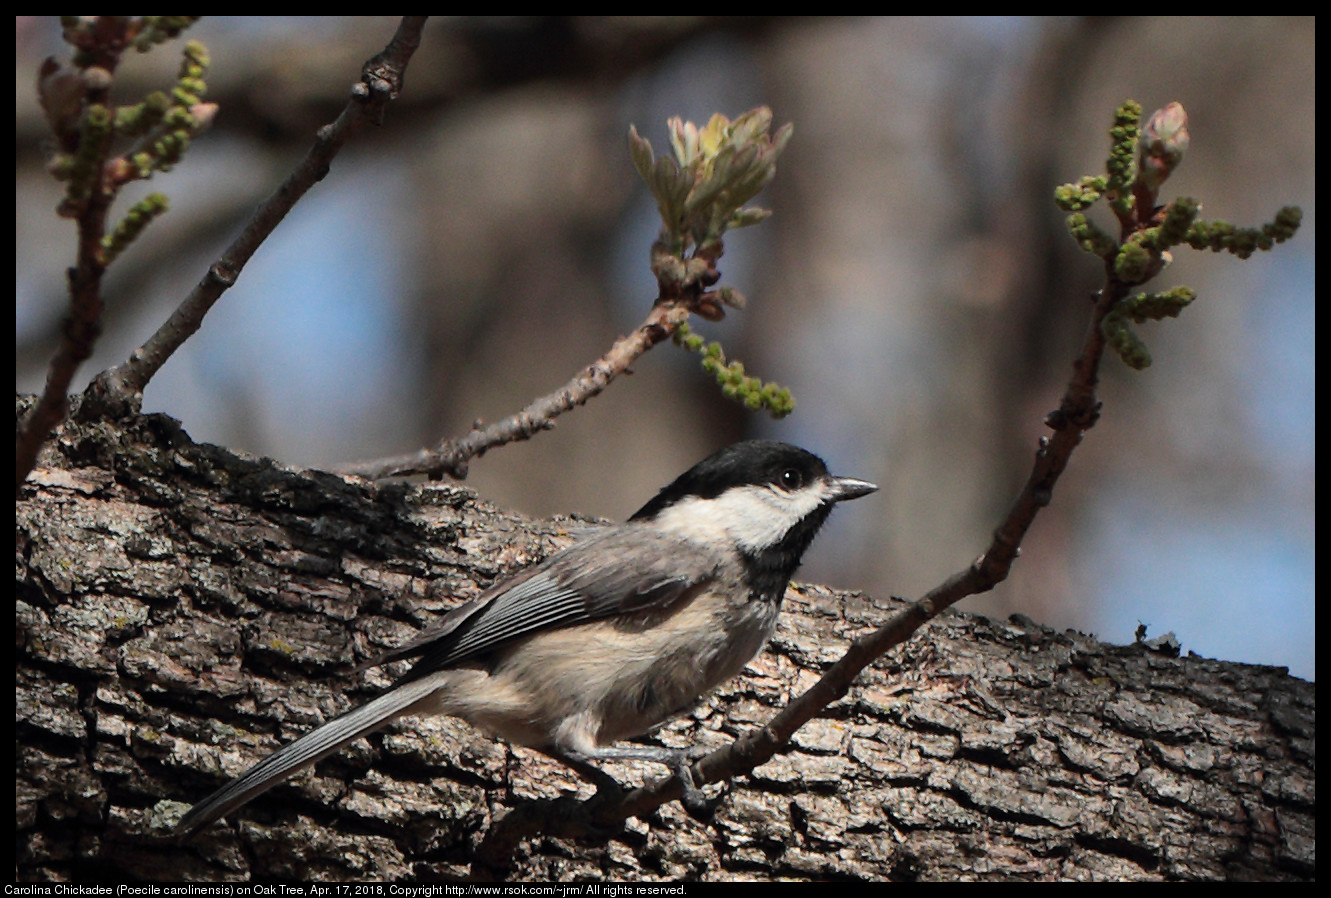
[{"x": 753, "y": 517}]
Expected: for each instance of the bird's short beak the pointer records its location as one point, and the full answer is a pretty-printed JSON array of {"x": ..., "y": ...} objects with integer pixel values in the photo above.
[{"x": 844, "y": 488}]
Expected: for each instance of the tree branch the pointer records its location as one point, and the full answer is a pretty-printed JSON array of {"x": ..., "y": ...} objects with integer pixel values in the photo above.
[
  {"x": 122, "y": 387},
  {"x": 84, "y": 322},
  {"x": 451, "y": 457}
]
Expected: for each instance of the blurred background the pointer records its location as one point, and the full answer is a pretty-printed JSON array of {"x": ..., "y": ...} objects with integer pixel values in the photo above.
[{"x": 915, "y": 287}]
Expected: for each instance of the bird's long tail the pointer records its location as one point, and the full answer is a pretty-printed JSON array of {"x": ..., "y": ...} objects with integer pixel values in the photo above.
[{"x": 288, "y": 760}]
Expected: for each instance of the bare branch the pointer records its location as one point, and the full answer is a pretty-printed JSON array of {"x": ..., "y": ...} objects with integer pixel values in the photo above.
[
  {"x": 451, "y": 457},
  {"x": 381, "y": 81},
  {"x": 77, "y": 338}
]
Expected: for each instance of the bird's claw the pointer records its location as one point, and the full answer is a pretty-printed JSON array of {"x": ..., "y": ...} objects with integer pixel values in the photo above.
[{"x": 692, "y": 797}]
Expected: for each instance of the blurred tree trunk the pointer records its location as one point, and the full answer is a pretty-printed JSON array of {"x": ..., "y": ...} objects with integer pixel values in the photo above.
[{"x": 181, "y": 610}]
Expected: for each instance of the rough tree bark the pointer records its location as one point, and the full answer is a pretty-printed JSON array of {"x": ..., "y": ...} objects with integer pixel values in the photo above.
[{"x": 181, "y": 610}]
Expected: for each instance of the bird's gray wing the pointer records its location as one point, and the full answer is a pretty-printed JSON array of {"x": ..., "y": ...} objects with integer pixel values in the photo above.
[
  {"x": 456, "y": 618},
  {"x": 621, "y": 571}
]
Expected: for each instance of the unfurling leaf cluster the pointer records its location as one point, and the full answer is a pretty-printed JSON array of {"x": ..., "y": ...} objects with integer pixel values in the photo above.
[{"x": 701, "y": 189}]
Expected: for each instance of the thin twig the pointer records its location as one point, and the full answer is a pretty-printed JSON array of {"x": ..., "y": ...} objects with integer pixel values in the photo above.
[
  {"x": 81, "y": 328},
  {"x": 451, "y": 457},
  {"x": 381, "y": 82},
  {"x": 78, "y": 336}
]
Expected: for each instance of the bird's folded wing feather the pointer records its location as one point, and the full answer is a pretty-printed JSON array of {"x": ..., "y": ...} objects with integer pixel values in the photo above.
[{"x": 621, "y": 571}]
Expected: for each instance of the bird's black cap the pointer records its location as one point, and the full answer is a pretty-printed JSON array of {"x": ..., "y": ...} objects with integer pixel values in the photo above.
[{"x": 755, "y": 462}]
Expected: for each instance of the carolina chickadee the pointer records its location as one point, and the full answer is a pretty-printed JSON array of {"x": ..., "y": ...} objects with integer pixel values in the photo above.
[{"x": 611, "y": 637}]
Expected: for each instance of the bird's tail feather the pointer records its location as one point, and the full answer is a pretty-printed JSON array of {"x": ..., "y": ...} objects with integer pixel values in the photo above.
[{"x": 306, "y": 750}]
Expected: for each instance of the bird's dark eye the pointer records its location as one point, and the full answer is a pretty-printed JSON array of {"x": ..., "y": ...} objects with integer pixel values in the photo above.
[{"x": 791, "y": 479}]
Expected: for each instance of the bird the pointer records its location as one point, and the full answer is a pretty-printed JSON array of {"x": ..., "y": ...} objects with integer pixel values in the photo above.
[{"x": 609, "y": 638}]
